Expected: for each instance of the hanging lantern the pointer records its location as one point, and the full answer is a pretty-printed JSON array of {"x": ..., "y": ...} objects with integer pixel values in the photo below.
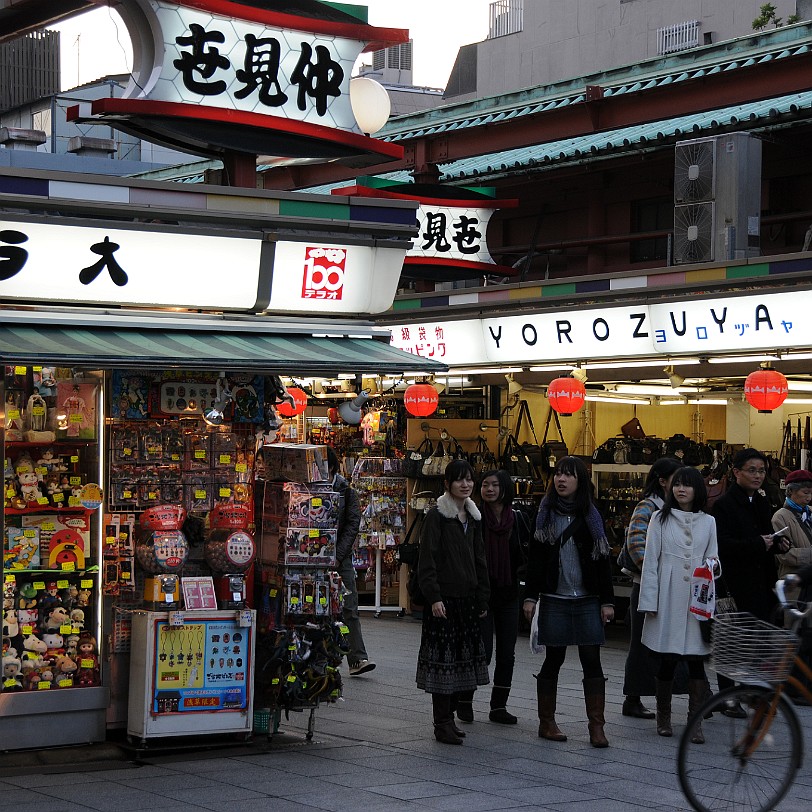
[
  {"x": 421, "y": 399},
  {"x": 333, "y": 416},
  {"x": 566, "y": 395},
  {"x": 765, "y": 389},
  {"x": 299, "y": 403}
]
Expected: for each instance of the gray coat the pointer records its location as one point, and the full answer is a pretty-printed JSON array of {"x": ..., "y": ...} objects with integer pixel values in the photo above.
[{"x": 673, "y": 551}]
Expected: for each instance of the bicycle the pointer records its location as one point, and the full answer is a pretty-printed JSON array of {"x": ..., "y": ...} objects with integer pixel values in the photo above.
[{"x": 748, "y": 763}]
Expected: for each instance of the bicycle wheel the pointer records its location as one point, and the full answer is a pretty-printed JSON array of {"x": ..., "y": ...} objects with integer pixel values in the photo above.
[{"x": 744, "y": 764}]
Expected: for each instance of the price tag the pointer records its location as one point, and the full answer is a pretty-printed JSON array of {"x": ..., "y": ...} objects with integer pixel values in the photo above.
[
  {"x": 75, "y": 418},
  {"x": 200, "y": 494},
  {"x": 28, "y": 629},
  {"x": 13, "y": 414},
  {"x": 41, "y": 469},
  {"x": 68, "y": 566},
  {"x": 74, "y": 458},
  {"x": 273, "y": 592},
  {"x": 10, "y": 579},
  {"x": 322, "y": 601},
  {"x": 175, "y": 457},
  {"x": 65, "y": 683},
  {"x": 308, "y": 599},
  {"x": 38, "y": 411},
  {"x": 125, "y": 575},
  {"x": 18, "y": 370},
  {"x": 39, "y": 586},
  {"x": 127, "y": 495},
  {"x": 76, "y": 480},
  {"x": 62, "y": 583},
  {"x": 225, "y": 459},
  {"x": 29, "y": 533},
  {"x": 58, "y": 497},
  {"x": 83, "y": 663},
  {"x": 314, "y": 532},
  {"x": 200, "y": 454},
  {"x": 225, "y": 492},
  {"x": 43, "y": 500},
  {"x": 152, "y": 495},
  {"x": 241, "y": 468},
  {"x": 48, "y": 526},
  {"x": 43, "y": 686},
  {"x": 110, "y": 540},
  {"x": 316, "y": 501},
  {"x": 66, "y": 628},
  {"x": 86, "y": 584},
  {"x": 73, "y": 501}
]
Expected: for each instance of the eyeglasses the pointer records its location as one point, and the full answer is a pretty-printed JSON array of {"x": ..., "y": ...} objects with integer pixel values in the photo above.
[{"x": 756, "y": 471}]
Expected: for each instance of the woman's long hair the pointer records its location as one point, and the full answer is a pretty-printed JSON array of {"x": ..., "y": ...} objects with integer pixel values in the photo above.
[
  {"x": 685, "y": 476},
  {"x": 660, "y": 469},
  {"x": 583, "y": 494},
  {"x": 457, "y": 469},
  {"x": 507, "y": 490}
]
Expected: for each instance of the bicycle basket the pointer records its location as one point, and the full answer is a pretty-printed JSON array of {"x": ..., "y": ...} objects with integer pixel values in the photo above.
[{"x": 752, "y": 651}]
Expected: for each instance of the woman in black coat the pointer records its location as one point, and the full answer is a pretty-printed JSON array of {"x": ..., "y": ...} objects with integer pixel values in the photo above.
[{"x": 569, "y": 572}]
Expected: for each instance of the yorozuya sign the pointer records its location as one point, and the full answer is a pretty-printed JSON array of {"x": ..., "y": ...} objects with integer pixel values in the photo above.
[
  {"x": 256, "y": 80},
  {"x": 698, "y": 326},
  {"x": 151, "y": 267}
]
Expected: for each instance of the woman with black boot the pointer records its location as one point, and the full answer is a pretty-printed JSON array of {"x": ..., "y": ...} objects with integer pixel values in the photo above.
[
  {"x": 453, "y": 577},
  {"x": 507, "y": 534},
  {"x": 569, "y": 572}
]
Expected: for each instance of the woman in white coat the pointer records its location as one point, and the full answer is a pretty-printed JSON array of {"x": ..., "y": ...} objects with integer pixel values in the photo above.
[{"x": 680, "y": 538}]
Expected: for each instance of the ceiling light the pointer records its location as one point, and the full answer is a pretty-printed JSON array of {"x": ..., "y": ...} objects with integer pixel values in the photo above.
[
  {"x": 799, "y": 386},
  {"x": 610, "y": 399},
  {"x": 707, "y": 402},
  {"x": 672, "y": 402},
  {"x": 675, "y": 379},
  {"x": 485, "y": 371},
  {"x": 797, "y": 356},
  {"x": 514, "y": 387},
  {"x": 632, "y": 363},
  {"x": 645, "y": 389},
  {"x": 579, "y": 374},
  {"x": 744, "y": 359},
  {"x": 798, "y": 401},
  {"x": 553, "y": 368}
]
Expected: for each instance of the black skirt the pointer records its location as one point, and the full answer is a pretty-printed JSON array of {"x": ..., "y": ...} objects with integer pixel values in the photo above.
[{"x": 452, "y": 654}]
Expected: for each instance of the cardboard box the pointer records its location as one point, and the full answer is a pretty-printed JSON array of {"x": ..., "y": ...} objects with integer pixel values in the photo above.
[{"x": 295, "y": 462}]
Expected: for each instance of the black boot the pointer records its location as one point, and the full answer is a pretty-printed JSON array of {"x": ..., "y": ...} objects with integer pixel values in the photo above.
[
  {"x": 499, "y": 712},
  {"x": 664, "y": 691},
  {"x": 443, "y": 724},
  {"x": 696, "y": 696},
  {"x": 465, "y": 706},
  {"x": 632, "y": 706}
]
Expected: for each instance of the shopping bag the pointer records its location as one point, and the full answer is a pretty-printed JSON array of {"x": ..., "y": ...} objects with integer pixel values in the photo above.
[
  {"x": 535, "y": 646},
  {"x": 703, "y": 592}
]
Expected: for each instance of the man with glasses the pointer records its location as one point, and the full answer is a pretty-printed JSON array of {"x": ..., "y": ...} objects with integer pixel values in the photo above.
[{"x": 747, "y": 547}]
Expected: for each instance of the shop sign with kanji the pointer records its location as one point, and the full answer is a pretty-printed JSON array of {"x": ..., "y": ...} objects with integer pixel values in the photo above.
[{"x": 214, "y": 76}]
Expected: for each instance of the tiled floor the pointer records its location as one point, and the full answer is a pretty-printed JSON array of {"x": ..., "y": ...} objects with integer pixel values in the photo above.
[{"x": 374, "y": 750}]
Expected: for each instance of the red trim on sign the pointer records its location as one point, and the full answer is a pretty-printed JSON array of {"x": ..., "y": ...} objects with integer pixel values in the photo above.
[
  {"x": 146, "y": 108},
  {"x": 376, "y": 38},
  {"x": 473, "y": 203},
  {"x": 439, "y": 262}
]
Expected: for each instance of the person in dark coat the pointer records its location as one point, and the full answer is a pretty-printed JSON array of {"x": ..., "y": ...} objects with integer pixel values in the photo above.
[
  {"x": 349, "y": 520},
  {"x": 569, "y": 574},
  {"x": 453, "y": 575},
  {"x": 747, "y": 548}
]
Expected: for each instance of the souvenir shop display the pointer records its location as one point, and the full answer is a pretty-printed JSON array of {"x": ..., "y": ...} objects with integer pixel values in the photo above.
[
  {"x": 301, "y": 639},
  {"x": 230, "y": 552},
  {"x": 381, "y": 490}
]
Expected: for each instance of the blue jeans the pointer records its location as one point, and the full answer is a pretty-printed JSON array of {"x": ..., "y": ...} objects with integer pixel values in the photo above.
[
  {"x": 503, "y": 622},
  {"x": 357, "y": 650}
]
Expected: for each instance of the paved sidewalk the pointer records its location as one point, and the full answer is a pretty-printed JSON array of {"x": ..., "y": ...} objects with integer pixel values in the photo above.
[{"x": 375, "y": 751}]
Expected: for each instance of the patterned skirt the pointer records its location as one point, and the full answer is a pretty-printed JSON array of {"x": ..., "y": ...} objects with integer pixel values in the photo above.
[{"x": 452, "y": 654}]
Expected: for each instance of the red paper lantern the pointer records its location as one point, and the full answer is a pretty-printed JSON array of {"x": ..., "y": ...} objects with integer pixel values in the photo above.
[
  {"x": 299, "y": 403},
  {"x": 765, "y": 389},
  {"x": 566, "y": 395},
  {"x": 333, "y": 416},
  {"x": 421, "y": 399}
]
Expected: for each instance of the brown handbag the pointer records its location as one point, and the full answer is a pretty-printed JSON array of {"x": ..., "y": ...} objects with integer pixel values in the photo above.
[{"x": 632, "y": 428}]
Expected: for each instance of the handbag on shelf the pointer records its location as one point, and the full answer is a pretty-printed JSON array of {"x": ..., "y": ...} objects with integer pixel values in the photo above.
[
  {"x": 422, "y": 501},
  {"x": 482, "y": 458},
  {"x": 633, "y": 428},
  {"x": 436, "y": 464},
  {"x": 412, "y": 465},
  {"x": 553, "y": 450},
  {"x": 515, "y": 461},
  {"x": 533, "y": 451}
]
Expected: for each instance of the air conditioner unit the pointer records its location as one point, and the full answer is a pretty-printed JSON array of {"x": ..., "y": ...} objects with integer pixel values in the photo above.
[{"x": 717, "y": 198}]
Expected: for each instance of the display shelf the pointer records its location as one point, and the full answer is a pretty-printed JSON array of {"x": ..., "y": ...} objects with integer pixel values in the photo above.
[{"x": 50, "y": 508}]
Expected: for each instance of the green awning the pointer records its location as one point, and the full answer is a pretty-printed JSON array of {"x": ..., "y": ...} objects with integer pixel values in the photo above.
[{"x": 106, "y": 347}]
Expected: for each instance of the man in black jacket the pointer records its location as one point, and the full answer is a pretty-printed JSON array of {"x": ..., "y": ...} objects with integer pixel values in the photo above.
[{"x": 349, "y": 520}]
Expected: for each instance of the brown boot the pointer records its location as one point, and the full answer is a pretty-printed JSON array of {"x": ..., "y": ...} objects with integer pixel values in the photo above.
[
  {"x": 595, "y": 700},
  {"x": 664, "y": 690},
  {"x": 443, "y": 723},
  {"x": 696, "y": 696},
  {"x": 546, "y": 690}
]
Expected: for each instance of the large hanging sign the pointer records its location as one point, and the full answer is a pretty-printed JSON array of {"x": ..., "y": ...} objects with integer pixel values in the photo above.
[
  {"x": 216, "y": 76},
  {"x": 453, "y": 223},
  {"x": 149, "y": 267},
  {"x": 773, "y": 321}
]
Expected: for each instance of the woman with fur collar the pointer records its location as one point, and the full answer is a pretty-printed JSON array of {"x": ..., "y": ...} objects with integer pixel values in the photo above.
[
  {"x": 569, "y": 574},
  {"x": 453, "y": 576}
]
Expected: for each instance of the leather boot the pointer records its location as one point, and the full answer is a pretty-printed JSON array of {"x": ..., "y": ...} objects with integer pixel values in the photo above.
[
  {"x": 632, "y": 706},
  {"x": 595, "y": 700},
  {"x": 499, "y": 712},
  {"x": 546, "y": 690},
  {"x": 443, "y": 723},
  {"x": 664, "y": 690},
  {"x": 696, "y": 696},
  {"x": 464, "y": 706}
]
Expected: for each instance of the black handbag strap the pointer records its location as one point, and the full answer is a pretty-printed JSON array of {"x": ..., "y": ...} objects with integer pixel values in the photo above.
[
  {"x": 570, "y": 530},
  {"x": 524, "y": 410},
  {"x": 415, "y": 522},
  {"x": 552, "y": 415}
]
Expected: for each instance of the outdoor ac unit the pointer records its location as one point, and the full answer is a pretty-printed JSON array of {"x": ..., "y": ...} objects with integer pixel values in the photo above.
[{"x": 717, "y": 198}]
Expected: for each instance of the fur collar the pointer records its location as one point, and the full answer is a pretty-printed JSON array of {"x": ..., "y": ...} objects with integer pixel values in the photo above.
[{"x": 447, "y": 508}]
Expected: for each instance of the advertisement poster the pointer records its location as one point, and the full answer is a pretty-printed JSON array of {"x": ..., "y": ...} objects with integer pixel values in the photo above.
[{"x": 201, "y": 666}]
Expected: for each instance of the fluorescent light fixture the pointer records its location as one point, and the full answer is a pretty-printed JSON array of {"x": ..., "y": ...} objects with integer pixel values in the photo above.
[
  {"x": 485, "y": 371},
  {"x": 799, "y": 386},
  {"x": 744, "y": 359},
  {"x": 796, "y": 356},
  {"x": 799, "y": 401},
  {"x": 708, "y": 402},
  {"x": 673, "y": 402},
  {"x": 552, "y": 368},
  {"x": 609, "y": 399},
  {"x": 646, "y": 389},
  {"x": 631, "y": 363}
]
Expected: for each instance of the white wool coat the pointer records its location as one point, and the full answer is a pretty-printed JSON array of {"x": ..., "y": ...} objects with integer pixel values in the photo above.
[{"x": 673, "y": 551}]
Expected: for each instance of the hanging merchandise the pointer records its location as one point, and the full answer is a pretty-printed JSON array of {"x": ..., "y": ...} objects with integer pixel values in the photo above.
[
  {"x": 421, "y": 399},
  {"x": 765, "y": 389},
  {"x": 566, "y": 395},
  {"x": 299, "y": 404}
]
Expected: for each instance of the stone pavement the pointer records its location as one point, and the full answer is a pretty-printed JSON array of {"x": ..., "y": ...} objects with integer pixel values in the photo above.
[{"x": 375, "y": 751}]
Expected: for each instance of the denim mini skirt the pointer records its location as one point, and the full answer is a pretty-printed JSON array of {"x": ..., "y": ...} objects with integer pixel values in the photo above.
[{"x": 570, "y": 621}]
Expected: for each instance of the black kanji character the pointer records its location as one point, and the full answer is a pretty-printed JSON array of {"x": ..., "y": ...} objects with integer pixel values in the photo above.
[
  {"x": 318, "y": 80},
  {"x": 105, "y": 250},
  {"x": 201, "y": 61},
  {"x": 12, "y": 259},
  {"x": 467, "y": 235},
  {"x": 434, "y": 233},
  {"x": 262, "y": 70}
]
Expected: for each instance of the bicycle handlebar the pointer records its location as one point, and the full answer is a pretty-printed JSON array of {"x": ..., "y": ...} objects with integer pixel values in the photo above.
[{"x": 780, "y": 585}]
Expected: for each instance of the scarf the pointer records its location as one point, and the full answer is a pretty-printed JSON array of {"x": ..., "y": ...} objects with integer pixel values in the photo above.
[
  {"x": 545, "y": 526},
  {"x": 804, "y": 514},
  {"x": 497, "y": 544}
]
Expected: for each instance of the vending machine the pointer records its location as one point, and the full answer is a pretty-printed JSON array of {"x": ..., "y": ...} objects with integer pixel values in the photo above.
[{"x": 191, "y": 673}]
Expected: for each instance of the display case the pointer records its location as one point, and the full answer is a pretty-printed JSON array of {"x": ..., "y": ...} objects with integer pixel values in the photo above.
[
  {"x": 51, "y": 692},
  {"x": 618, "y": 489}
]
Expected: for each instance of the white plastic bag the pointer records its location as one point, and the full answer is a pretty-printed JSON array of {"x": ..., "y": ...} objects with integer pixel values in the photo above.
[
  {"x": 534, "y": 632},
  {"x": 703, "y": 591}
]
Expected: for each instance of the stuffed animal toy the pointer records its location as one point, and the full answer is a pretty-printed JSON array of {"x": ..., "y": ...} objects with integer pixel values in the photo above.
[
  {"x": 55, "y": 645},
  {"x": 71, "y": 645},
  {"x": 34, "y": 651},
  {"x": 11, "y": 626},
  {"x": 12, "y": 672},
  {"x": 77, "y": 618},
  {"x": 29, "y": 482},
  {"x": 83, "y": 598},
  {"x": 64, "y": 669},
  {"x": 56, "y": 618}
]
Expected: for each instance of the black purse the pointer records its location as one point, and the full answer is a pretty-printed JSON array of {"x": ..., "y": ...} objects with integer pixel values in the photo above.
[
  {"x": 553, "y": 450},
  {"x": 412, "y": 465},
  {"x": 408, "y": 551}
]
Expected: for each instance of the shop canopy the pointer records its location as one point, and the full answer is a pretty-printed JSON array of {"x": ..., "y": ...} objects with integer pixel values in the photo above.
[{"x": 283, "y": 352}]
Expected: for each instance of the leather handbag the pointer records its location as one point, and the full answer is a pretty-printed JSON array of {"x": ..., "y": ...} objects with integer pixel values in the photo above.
[
  {"x": 633, "y": 428},
  {"x": 436, "y": 464},
  {"x": 553, "y": 450},
  {"x": 412, "y": 465},
  {"x": 515, "y": 461},
  {"x": 482, "y": 458},
  {"x": 533, "y": 451}
]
